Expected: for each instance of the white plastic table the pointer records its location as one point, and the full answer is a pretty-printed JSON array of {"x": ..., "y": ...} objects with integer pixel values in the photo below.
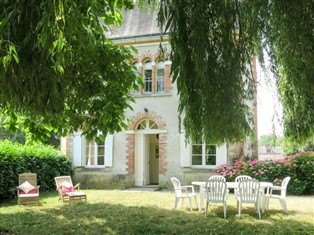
[{"x": 233, "y": 185}]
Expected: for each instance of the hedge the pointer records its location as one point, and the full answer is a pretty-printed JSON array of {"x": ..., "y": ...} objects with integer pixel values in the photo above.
[
  {"x": 300, "y": 167},
  {"x": 44, "y": 160}
]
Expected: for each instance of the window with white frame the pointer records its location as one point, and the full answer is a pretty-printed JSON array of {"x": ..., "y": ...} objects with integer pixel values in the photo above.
[
  {"x": 203, "y": 154},
  {"x": 200, "y": 155},
  {"x": 136, "y": 72},
  {"x": 148, "y": 77},
  {"x": 160, "y": 77},
  {"x": 90, "y": 154},
  {"x": 94, "y": 154}
]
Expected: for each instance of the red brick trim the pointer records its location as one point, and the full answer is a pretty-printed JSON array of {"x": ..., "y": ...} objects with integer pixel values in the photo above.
[{"x": 130, "y": 140}]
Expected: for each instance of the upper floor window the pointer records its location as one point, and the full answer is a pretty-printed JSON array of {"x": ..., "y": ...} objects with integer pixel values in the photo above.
[
  {"x": 160, "y": 77},
  {"x": 203, "y": 154},
  {"x": 148, "y": 77}
]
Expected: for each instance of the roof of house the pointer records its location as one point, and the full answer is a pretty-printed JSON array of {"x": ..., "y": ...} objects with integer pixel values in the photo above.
[{"x": 136, "y": 23}]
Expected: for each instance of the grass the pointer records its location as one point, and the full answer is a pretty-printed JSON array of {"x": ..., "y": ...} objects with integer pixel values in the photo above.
[{"x": 132, "y": 212}]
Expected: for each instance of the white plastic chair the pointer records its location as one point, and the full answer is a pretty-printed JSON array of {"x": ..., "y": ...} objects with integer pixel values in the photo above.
[
  {"x": 282, "y": 196},
  {"x": 182, "y": 192},
  {"x": 239, "y": 179},
  {"x": 217, "y": 177},
  {"x": 249, "y": 192},
  {"x": 216, "y": 192},
  {"x": 242, "y": 177}
]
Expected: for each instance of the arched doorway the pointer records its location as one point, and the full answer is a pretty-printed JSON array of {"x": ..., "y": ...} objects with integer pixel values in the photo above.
[{"x": 146, "y": 153}]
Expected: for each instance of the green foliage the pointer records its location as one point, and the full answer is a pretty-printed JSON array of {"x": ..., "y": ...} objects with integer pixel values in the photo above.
[
  {"x": 300, "y": 167},
  {"x": 59, "y": 72},
  {"x": 213, "y": 42},
  {"x": 18, "y": 136},
  {"x": 210, "y": 59},
  {"x": 290, "y": 147},
  {"x": 304, "y": 172},
  {"x": 21, "y": 137},
  {"x": 270, "y": 140},
  {"x": 290, "y": 37},
  {"x": 15, "y": 159}
]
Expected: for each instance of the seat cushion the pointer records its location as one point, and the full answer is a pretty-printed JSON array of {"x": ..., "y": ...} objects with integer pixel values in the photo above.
[
  {"x": 67, "y": 190},
  {"x": 29, "y": 195},
  {"x": 26, "y": 187},
  {"x": 33, "y": 191}
]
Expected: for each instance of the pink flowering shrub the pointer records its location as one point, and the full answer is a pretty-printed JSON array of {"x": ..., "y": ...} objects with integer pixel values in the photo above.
[{"x": 300, "y": 167}]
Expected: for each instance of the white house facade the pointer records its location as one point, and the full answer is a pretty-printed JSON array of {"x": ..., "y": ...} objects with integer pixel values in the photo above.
[{"x": 152, "y": 149}]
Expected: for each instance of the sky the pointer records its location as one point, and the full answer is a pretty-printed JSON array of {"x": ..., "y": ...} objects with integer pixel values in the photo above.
[{"x": 267, "y": 106}]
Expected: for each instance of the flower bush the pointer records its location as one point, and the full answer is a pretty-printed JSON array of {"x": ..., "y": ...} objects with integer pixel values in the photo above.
[{"x": 300, "y": 167}]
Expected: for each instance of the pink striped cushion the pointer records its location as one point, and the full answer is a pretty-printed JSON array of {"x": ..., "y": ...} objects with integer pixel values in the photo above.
[
  {"x": 67, "y": 190},
  {"x": 33, "y": 191}
]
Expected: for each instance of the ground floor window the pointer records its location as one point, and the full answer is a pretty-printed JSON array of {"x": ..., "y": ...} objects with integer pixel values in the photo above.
[
  {"x": 203, "y": 154},
  {"x": 91, "y": 154},
  {"x": 94, "y": 153}
]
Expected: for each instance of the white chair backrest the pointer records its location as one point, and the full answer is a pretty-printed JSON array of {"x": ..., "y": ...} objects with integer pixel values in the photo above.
[
  {"x": 177, "y": 186},
  {"x": 217, "y": 177},
  {"x": 216, "y": 190},
  {"x": 249, "y": 190},
  {"x": 242, "y": 177},
  {"x": 284, "y": 186}
]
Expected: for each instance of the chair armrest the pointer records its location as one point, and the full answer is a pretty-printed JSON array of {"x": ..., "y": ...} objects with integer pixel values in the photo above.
[
  {"x": 187, "y": 187},
  {"x": 77, "y": 186},
  {"x": 275, "y": 188}
]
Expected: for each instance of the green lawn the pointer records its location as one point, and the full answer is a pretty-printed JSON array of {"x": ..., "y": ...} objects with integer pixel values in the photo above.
[{"x": 133, "y": 212}]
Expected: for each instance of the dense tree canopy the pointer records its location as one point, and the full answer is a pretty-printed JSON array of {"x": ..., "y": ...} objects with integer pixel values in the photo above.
[
  {"x": 213, "y": 42},
  {"x": 58, "y": 71}
]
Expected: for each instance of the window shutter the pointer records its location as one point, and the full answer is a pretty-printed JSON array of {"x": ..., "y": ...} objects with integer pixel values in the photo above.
[
  {"x": 221, "y": 155},
  {"x": 108, "y": 150},
  {"x": 77, "y": 150},
  {"x": 185, "y": 152}
]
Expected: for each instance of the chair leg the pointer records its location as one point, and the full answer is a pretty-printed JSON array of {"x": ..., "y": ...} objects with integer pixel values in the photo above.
[
  {"x": 225, "y": 210},
  {"x": 239, "y": 208},
  {"x": 267, "y": 203},
  {"x": 284, "y": 205},
  {"x": 190, "y": 200},
  {"x": 259, "y": 209},
  {"x": 176, "y": 203},
  {"x": 196, "y": 202},
  {"x": 206, "y": 209}
]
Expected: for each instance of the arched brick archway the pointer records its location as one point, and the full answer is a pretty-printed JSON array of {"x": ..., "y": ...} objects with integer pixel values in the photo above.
[{"x": 130, "y": 154}]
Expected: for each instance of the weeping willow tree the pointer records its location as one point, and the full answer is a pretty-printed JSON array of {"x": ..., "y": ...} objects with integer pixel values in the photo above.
[
  {"x": 58, "y": 71},
  {"x": 213, "y": 43}
]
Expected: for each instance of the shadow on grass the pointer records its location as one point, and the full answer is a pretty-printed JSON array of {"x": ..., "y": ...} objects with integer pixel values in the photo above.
[{"x": 103, "y": 218}]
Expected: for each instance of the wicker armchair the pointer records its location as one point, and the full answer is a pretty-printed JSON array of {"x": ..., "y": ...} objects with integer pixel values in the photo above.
[{"x": 28, "y": 190}]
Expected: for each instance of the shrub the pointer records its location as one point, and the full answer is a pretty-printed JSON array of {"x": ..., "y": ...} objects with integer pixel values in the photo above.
[
  {"x": 300, "y": 167},
  {"x": 44, "y": 160}
]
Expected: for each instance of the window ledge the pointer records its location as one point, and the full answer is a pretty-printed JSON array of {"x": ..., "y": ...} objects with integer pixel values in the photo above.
[
  {"x": 144, "y": 95},
  {"x": 204, "y": 167},
  {"x": 93, "y": 169}
]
